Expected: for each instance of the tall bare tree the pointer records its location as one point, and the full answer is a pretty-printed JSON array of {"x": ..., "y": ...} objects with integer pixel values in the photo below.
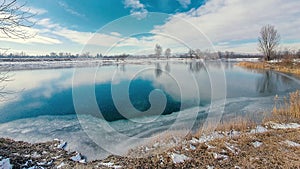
[
  {"x": 15, "y": 20},
  {"x": 158, "y": 50},
  {"x": 191, "y": 53},
  {"x": 168, "y": 53},
  {"x": 199, "y": 54},
  {"x": 268, "y": 41}
]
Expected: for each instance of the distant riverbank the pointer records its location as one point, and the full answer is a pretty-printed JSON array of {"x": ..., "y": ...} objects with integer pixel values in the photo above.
[{"x": 57, "y": 63}]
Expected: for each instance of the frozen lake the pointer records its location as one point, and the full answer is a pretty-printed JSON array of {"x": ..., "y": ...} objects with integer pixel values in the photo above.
[{"x": 136, "y": 100}]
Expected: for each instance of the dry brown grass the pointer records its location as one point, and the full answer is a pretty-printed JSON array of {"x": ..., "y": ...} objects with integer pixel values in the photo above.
[
  {"x": 273, "y": 153},
  {"x": 286, "y": 66},
  {"x": 288, "y": 110},
  {"x": 238, "y": 124},
  {"x": 254, "y": 65}
]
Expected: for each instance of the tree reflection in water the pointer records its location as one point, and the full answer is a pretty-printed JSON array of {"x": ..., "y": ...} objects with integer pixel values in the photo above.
[
  {"x": 267, "y": 83},
  {"x": 196, "y": 66},
  {"x": 168, "y": 67},
  {"x": 158, "y": 70}
]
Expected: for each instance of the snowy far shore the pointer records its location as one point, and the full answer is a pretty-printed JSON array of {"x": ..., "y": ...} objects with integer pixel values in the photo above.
[{"x": 31, "y": 64}]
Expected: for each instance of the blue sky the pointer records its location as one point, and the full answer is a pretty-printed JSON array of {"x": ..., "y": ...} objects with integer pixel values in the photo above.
[
  {"x": 93, "y": 14},
  {"x": 95, "y": 26}
]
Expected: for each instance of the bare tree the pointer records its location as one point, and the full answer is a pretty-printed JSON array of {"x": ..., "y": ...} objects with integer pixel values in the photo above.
[
  {"x": 15, "y": 20},
  {"x": 198, "y": 54},
  {"x": 268, "y": 41},
  {"x": 158, "y": 50},
  {"x": 5, "y": 77},
  {"x": 191, "y": 53},
  {"x": 168, "y": 53},
  {"x": 14, "y": 23}
]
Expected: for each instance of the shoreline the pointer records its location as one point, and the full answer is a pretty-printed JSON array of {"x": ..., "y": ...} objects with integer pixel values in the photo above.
[{"x": 254, "y": 147}]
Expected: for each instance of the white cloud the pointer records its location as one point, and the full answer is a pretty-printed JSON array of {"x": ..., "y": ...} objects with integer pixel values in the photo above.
[
  {"x": 236, "y": 20},
  {"x": 136, "y": 4},
  {"x": 46, "y": 22},
  {"x": 38, "y": 38},
  {"x": 33, "y": 10},
  {"x": 137, "y": 8},
  {"x": 69, "y": 9},
  {"x": 184, "y": 3},
  {"x": 115, "y": 34},
  {"x": 88, "y": 38}
]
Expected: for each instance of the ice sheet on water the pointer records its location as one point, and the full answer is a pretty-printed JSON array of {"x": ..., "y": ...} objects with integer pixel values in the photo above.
[{"x": 45, "y": 128}]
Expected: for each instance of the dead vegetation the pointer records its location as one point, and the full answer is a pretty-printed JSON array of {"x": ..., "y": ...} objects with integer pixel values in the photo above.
[
  {"x": 227, "y": 152},
  {"x": 285, "y": 66},
  {"x": 286, "y": 110}
]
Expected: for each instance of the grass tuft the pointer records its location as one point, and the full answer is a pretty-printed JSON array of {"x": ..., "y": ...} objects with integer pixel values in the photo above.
[{"x": 287, "y": 110}]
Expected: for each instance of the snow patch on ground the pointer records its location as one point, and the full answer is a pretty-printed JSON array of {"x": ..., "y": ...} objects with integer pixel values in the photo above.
[
  {"x": 5, "y": 164},
  {"x": 209, "y": 137},
  {"x": 232, "y": 148},
  {"x": 257, "y": 144},
  {"x": 284, "y": 126},
  {"x": 110, "y": 165},
  {"x": 220, "y": 156},
  {"x": 291, "y": 143},
  {"x": 210, "y": 167},
  {"x": 78, "y": 158},
  {"x": 259, "y": 129},
  {"x": 35, "y": 155},
  {"x": 62, "y": 145},
  {"x": 179, "y": 158},
  {"x": 192, "y": 147},
  {"x": 61, "y": 165},
  {"x": 36, "y": 167}
]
